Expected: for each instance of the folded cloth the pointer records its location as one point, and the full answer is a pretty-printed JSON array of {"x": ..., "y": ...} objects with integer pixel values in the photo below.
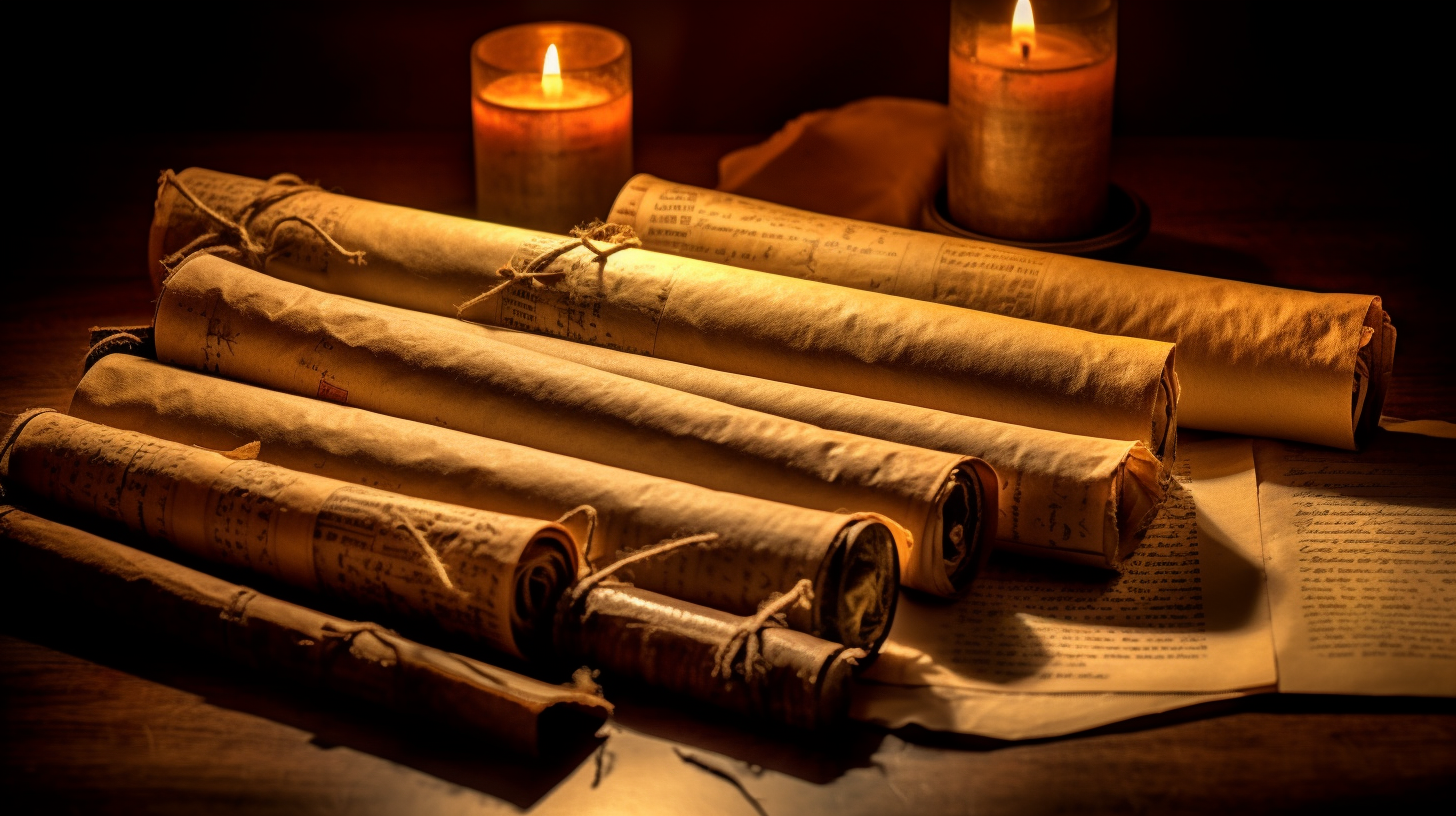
[{"x": 878, "y": 159}]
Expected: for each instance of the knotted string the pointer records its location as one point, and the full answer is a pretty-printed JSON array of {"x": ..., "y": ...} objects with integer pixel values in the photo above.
[
  {"x": 233, "y": 237},
  {"x": 616, "y": 238},
  {"x": 748, "y": 639},
  {"x": 585, "y": 585}
]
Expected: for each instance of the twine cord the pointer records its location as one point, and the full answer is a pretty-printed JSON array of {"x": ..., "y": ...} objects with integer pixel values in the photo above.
[
  {"x": 614, "y": 237},
  {"x": 747, "y": 638},
  {"x": 234, "y": 237},
  {"x": 585, "y": 585}
]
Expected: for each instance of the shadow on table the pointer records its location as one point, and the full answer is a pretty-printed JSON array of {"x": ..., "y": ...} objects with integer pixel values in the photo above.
[{"x": 453, "y": 755}]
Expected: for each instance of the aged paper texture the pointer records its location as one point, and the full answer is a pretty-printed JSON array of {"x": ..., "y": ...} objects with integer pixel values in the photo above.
[
  {"x": 1361, "y": 556},
  {"x": 1186, "y": 614},
  {"x": 690, "y": 310},
  {"x": 1252, "y": 359}
]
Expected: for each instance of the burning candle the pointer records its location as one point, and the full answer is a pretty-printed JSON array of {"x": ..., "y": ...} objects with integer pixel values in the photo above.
[
  {"x": 552, "y": 104},
  {"x": 1031, "y": 116}
]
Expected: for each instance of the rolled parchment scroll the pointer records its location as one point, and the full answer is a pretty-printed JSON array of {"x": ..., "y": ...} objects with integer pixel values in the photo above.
[
  {"x": 1254, "y": 360},
  {"x": 216, "y": 316},
  {"x": 133, "y": 596},
  {"x": 598, "y": 290},
  {"x": 1074, "y": 498},
  {"x": 761, "y": 546},
  {"x": 742, "y": 664},
  {"x": 489, "y": 576}
]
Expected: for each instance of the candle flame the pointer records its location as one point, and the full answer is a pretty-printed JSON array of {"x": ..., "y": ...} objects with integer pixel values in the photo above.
[
  {"x": 551, "y": 74},
  {"x": 1023, "y": 28}
]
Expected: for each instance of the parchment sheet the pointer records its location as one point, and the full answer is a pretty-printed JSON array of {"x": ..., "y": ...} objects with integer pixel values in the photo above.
[
  {"x": 697, "y": 312},
  {"x": 136, "y": 596},
  {"x": 1010, "y": 715},
  {"x": 1361, "y": 556},
  {"x": 1188, "y": 613},
  {"x": 1073, "y": 498},
  {"x": 1254, "y": 360},
  {"x": 486, "y": 575},
  {"x": 762, "y": 547},
  {"x": 219, "y": 317}
]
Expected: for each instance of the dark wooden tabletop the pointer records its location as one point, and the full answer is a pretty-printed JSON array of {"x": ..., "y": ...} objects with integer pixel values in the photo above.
[{"x": 96, "y": 723}]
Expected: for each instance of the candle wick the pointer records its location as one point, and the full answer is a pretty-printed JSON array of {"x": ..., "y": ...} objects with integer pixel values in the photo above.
[{"x": 1025, "y": 51}]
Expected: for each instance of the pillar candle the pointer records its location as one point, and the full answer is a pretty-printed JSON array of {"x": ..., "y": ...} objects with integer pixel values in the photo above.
[
  {"x": 1031, "y": 118},
  {"x": 552, "y": 109}
]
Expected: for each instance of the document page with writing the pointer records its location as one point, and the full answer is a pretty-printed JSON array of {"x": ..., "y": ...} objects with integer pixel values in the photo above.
[
  {"x": 1361, "y": 552},
  {"x": 1187, "y": 613}
]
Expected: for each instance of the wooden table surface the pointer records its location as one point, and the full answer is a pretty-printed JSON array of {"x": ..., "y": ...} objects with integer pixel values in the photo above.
[{"x": 93, "y": 723}]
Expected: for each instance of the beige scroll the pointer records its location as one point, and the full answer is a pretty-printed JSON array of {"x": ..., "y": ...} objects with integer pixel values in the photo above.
[
  {"x": 761, "y": 546},
  {"x": 1251, "y": 359},
  {"x": 1074, "y": 498},
  {"x": 219, "y": 317},
  {"x": 133, "y": 596},
  {"x": 492, "y": 577},
  {"x": 688, "y": 310}
]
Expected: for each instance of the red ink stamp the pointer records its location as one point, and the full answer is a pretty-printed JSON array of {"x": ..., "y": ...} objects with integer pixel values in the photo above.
[{"x": 332, "y": 393}]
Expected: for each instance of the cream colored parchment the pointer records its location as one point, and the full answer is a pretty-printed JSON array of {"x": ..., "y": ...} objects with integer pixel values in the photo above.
[
  {"x": 762, "y": 548},
  {"x": 1186, "y": 614},
  {"x": 222, "y": 318},
  {"x": 1011, "y": 715},
  {"x": 1073, "y": 498},
  {"x": 1361, "y": 552},
  {"x": 1254, "y": 360},
  {"x": 459, "y": 568},
  {"x": 694, "y": 311}
]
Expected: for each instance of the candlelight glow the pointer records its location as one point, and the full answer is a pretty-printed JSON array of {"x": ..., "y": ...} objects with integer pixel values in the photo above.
[
  {"x": 551, "y": 74},
  {"x": 1023, "y": 28}
]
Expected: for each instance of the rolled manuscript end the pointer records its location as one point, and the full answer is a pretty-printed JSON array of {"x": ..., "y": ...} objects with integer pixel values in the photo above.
[
  {"x": 1253, "y": 360},
  {"x": 223, "y": 318},
  {"x": 597, "y": 288},
  {"x": 1073, "y": 498},
  {"x": 760, "y": 545},
  {"x": 752, "y": 666},
  {"x": 142, "y": 597},
  {"x": 489, "y": 576}
]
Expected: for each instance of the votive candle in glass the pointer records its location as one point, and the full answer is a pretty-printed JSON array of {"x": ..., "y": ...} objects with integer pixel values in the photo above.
[
  {"x": 1031, "y": 116},
  {"x": 552, "y": 106}
]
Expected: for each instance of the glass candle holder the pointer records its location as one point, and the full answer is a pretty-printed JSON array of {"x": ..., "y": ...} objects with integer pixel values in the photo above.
[
  {"x": 1031, "y": 116},
  {"x": 552, "y": 106}
]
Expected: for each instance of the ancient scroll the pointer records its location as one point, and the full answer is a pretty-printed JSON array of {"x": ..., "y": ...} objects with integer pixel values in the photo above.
[
  {"x": 1074, "y": 498},
  {"x": 749, "y": 665},
  {"x": 489, "y": 576},
  {"x": 217, "y": 316},
  {"x": 761, "y": 546},
  {"x": 134, "y": 596},
  {"x": 596, "y": 291},
  {"x": 1251, "y": 359},
  {"x": 1361, "y": 553}
]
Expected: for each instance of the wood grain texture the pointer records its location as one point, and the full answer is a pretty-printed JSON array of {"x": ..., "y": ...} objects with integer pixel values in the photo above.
[{"x": 90, "y": 726}]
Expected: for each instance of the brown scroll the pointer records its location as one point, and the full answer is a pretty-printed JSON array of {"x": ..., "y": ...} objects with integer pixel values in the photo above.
[
  {"x": 489, "y": 576},
  {"x": 1073, "y": 498},
  {"x": 748, "y": 665},
  {"x": 216, "y": 316},
  {"x": 136, "y": 596},
  {"x": 761, "y": 546},
  {"x": 1254, "y": 360},
  {"x": 864, "y": 343}
]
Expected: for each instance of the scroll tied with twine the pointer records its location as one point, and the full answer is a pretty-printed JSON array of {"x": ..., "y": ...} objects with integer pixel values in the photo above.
[{"x": 489, "y": 576}]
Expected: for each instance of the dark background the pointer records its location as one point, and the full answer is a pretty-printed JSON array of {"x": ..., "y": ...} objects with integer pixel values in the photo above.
[
  {"x": 1187, "y": 67},
  {"x": 102, "y": 99}
]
